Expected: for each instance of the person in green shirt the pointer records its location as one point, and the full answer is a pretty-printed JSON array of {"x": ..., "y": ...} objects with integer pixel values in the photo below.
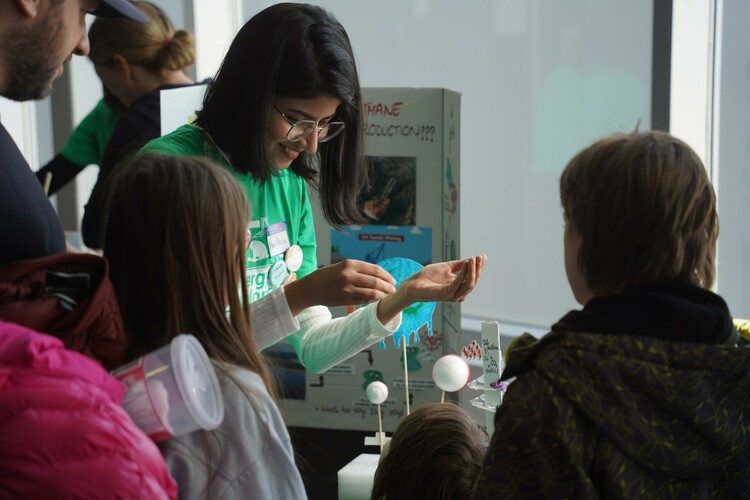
[
  {"x": 85, "y": 145},
  {"x": 283, "y": 113},
  {"x": 135, "y": 61}
]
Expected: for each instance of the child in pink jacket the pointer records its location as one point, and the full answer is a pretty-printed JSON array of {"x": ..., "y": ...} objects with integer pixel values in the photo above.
[{"x": 63, "y": 432}]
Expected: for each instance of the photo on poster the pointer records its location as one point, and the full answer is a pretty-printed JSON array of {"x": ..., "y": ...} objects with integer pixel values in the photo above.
[
  {"x": 286, "y": 370},
  {"x": 392, "y": 198},
  {"x": 374, "y": 243}
]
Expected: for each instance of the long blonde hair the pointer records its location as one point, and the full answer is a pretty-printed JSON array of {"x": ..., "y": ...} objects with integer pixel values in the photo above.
[
  {"x": 154, "y": 45},
  {"x": 175, "y": 240}
]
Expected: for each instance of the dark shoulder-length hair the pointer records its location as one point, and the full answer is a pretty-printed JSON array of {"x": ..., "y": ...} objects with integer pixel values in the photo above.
[
  {"x": 294, "y": 51},
  {"x": 175, "y": 240}
]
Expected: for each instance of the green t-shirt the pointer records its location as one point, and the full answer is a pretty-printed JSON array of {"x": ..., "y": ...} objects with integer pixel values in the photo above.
[
  {"x": 280, "y": 207},
  {"x": 87, "y": 142}
]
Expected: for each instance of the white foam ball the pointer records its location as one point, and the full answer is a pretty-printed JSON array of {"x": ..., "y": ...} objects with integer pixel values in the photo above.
[
  {"x": 377, "y": 392},
  {"x": 450, "y": 373}
]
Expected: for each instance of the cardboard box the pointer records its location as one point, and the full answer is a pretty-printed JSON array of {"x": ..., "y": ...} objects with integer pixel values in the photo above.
[{"x": 413, "y": 146}]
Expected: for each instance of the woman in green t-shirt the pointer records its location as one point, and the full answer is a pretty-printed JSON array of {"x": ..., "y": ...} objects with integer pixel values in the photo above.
[{"x": 284, "y": 112}]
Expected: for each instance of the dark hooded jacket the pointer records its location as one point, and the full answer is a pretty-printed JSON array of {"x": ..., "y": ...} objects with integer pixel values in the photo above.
[{"x": 640, "y": 395}]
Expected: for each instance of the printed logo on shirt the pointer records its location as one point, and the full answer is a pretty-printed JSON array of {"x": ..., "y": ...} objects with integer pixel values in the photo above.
[
  {"x": 258, "y": 249},
  {"x": 257, "y": 282}
]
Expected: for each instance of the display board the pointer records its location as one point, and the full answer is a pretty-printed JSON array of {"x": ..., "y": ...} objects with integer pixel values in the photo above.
[{"x": 413, "y": 151}]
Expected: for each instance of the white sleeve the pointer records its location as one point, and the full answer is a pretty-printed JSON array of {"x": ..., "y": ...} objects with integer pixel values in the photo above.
[
  {"x": 272, "y": 319},
  {"x": 323, "y": 342}
]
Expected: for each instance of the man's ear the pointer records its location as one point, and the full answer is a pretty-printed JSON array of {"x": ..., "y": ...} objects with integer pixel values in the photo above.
[{"x": 29, "y": 8}]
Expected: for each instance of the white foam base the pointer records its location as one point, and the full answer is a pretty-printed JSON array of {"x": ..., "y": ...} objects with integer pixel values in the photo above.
[{"x": 356, "y": 478}]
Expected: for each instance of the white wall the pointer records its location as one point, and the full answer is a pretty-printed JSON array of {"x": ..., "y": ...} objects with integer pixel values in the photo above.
[
  {"x": 732, "y": 156},
  {"x": 215, "y": 24},
  {"x": 710, "y": 106},
  {"x": 690, "y": 90}
]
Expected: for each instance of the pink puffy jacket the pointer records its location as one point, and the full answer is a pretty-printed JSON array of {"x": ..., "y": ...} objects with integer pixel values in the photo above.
[{"x": 63, "y": 432}]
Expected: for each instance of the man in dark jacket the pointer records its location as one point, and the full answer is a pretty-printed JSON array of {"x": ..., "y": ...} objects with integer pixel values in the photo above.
[
  {"x": 36, "y": 38},
  {"x": 644, "y": 392}
]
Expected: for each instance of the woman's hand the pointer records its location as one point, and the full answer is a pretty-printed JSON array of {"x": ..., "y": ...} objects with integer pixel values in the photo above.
[
  {"x": 347, "y": 283},
  {"x": 445, "y": 281},
  {"x": 441, "y": 282}
]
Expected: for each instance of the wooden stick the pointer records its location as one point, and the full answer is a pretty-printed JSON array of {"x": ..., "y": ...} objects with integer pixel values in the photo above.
[
  {"x": 380, "y": 430},
  {"x": 442, "y": 396},
  {"x": 156, "y": 371},
  {"x": 406, "y": 377},
  {"x": 47, "y": 181}
]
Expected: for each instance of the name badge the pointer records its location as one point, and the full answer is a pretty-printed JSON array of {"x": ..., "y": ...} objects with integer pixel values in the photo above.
[{"x": 278, "y": 239}]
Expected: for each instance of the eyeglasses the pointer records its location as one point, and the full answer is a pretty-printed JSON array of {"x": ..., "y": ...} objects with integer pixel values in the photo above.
[{"x": 302, "y": 128}]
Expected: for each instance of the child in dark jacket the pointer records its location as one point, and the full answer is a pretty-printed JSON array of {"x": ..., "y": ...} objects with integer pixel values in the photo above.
[{"x": 644, "y": 392}]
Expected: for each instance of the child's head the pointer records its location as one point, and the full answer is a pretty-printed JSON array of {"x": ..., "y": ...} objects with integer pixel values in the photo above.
[
  {"x": 638, "y": 208},
  {"x": 175, "y": 240},
  {"x": 436, "y": 452},
  {"x": 154, "y": 46},
  {"x": 290, "y": 51}
]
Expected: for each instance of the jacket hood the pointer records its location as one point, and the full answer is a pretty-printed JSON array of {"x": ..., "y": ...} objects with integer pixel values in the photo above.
[
  {"x": 68, "y": 296},
  {"x": 669, "y": 310},
  {"x": 21, "y": 348},
  {"x": 676, "y": 408}
]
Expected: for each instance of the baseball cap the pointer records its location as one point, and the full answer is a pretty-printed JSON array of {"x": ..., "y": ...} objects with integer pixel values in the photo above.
[{"x": 120, "y": 8}]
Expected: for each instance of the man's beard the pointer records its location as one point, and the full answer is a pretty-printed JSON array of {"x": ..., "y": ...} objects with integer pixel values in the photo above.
[{"x": 29, "y": 65}]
